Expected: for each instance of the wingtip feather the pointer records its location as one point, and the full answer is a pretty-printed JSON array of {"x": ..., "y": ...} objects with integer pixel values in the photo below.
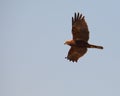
[{"x": 71, "y": 60}]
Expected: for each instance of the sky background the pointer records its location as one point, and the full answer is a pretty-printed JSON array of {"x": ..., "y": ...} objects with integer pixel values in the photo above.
[{"x": 32, "y": 50}]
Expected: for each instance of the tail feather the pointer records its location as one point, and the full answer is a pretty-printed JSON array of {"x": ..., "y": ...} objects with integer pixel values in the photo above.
[{"x": 95, "y": 46}]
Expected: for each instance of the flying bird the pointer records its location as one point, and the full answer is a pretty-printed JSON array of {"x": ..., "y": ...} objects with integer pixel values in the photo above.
[{"x": 79, "y": 43}]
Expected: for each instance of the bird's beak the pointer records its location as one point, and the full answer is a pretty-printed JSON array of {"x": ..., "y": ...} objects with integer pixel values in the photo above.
[{"x": 65, "y": 43}]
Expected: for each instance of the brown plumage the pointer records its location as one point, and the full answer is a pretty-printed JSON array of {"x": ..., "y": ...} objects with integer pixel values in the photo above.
[{"x": 79, "y": 44}]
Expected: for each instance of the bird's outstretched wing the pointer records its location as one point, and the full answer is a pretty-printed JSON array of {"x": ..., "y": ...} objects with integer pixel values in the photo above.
[
  {"x": 79, "y": 28},
  {"x": 75, "y": 53}
]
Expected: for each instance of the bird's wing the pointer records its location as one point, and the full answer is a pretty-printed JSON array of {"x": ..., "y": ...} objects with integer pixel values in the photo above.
[
  {"x": 75, "y": 53},
  {"x": 79, "y": 28}
]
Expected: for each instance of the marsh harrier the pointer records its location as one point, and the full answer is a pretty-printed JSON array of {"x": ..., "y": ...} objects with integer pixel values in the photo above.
[{"x": 79, "y": 43}]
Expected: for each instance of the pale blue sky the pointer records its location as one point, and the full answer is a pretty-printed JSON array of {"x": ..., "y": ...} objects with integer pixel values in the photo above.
[{"x": 32, "y": 52}]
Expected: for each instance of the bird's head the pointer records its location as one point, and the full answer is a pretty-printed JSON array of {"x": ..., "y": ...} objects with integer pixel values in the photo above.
[{"x": 69, "y": 42}]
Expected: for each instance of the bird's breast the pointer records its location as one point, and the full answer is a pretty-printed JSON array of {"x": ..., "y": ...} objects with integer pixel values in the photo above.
[{"x": 81, "y": 43}]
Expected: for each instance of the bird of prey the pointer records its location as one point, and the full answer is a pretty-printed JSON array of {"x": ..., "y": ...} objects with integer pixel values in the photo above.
[{"x": 79, "y": 43}]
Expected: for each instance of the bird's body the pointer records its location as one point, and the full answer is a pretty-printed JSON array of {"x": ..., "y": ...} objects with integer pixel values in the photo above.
[{"x": 79, "y": 43}]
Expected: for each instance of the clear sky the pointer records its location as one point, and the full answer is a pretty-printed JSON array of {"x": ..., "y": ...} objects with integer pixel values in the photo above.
[{"x": 32, "y": 50}]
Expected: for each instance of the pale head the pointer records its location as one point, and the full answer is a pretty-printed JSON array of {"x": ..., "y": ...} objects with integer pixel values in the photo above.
[{"x": 69, "y": 42}]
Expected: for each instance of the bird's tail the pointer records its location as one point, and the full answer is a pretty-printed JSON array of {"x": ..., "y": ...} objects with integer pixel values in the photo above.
[{"x": 95, "y": 46}]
